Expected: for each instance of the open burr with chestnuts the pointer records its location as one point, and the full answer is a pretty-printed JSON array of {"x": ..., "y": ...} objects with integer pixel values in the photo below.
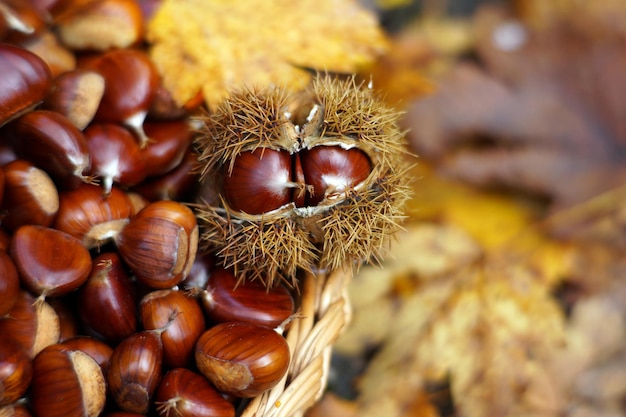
[{"x": 166, "y": 259}]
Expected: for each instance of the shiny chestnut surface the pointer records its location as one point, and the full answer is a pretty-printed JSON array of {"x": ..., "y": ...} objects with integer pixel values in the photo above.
[
  {"x": 242, "y": 359},
  {"x": 226, "y": 299},
  {"x": 185, "y": 393},
  {"x": 25, "y": 81},
  {"x": 264, "y": 179}
]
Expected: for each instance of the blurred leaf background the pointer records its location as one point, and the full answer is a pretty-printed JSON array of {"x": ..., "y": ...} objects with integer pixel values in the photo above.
[{"x": 505, "y": 294}]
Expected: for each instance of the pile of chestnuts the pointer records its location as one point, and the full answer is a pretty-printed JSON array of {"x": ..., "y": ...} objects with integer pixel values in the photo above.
[
  {"x": 150, "y": 251},
  {"x": 106, "y": 307}
]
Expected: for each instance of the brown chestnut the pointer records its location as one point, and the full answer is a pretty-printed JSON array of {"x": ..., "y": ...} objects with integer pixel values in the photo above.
[
  {"x": 109, "y": 289},
  {"x": 259, "y": 181},
  {"x": 227, "y": 299},
  {"x": 88, "y": 215},
  {"x": 130, "y": 82},
  {"x": 332, "y": 170},
  {"x": 15, "y": 371},
  {"x": 76, "y": 94},
  {"x": 135, "y": 371},
  {"x": 32, "y": 323},
  {"x": 30, "y": 196},
  {"x": 25, "y": 81},
  {"x": 52, "y": 142},
  {"x": 159, "y": 244},
  {"x": 66, "y": 382},
  {"x": 181, "y": 320},
  {"x": 115, "y": 155},
  {"x": 49, "y": 261},
  {"x": 185, "y": 393},
  {"x": 242, "y": 359}
]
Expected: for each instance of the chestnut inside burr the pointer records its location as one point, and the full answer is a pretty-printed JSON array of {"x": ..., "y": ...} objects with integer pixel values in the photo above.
[{"x": 264, "y": 179}]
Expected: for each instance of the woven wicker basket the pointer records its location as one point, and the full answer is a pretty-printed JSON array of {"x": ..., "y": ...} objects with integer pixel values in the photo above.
[{"x": 324, "y": 312}]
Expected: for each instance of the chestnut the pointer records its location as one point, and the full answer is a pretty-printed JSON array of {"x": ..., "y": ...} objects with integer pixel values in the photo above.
[
  {"x": 135, "y": 371},
  {"x": 25, "y": 81},
  {"x": 66, "y": 382},
  {"x": 332, "y": 170},
  {"x": 49, "y": 261},
  {"x": 32, "y": 323},
  {"x": 15, "y": 371},
  {"x": 52, "y": 142},
  {"x": 131, "y": 80},
  {"x": 88, "y": 215},
  {"x": 159, "y": 244},
  {"x": 242, "y": 359},
  {"x": 181, "y": 320},
  {"x": 228, "y": 299},
  {"x": 185, "y": 393},
  {"x": 76, "y": 94},
  {"x": 30, "y": 196},
  {"x": 115, "y": 155},
  {"x": 108, "y": 289},
  {"x": 259, "y": 181}
]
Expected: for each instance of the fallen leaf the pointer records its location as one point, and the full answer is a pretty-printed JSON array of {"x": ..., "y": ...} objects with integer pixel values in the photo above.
[
  {"x": 215, "y": 46},
  {"x": 541, "y": 112}
]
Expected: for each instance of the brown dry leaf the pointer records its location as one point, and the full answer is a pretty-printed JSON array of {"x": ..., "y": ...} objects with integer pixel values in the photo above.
[
  {"x": 544, "y": 111},
  {"x": 487, "y": 330},
  {"x": 216, "y": 46}
]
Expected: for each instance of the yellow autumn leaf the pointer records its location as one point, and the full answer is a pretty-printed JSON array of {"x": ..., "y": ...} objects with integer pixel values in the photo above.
[{"x": 215, "y": 46}]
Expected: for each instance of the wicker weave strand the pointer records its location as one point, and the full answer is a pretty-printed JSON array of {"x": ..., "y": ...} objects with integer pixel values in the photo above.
[{"x": 325, "y": 312}]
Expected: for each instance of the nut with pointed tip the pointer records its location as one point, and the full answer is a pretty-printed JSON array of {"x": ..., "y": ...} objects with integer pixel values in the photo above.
[
  {"x": 185, "y": 393},
  {"x": 135, "y": 371},
  {"x": 25, "y": 81},
  {"x": 52, "y": 142},
  {"x": 115, "y": 156},
  {"x": 227, "y": 299},
  {"x": 182, "y": 322},
  {"x": 31, "y": 322},
  {"x": 88, "y": 215},
  {"x": 30, "y": 196},
  {"x": 76, "y": 94},
  {"x": 66, "y": 382},
  {"x": 131, "y": 80},
  {"x": 159, "y": 244},
  {"x": 50, "y": 262},
  {"x": 110, "y": 289},
  {"x": 242, "y": 359}
]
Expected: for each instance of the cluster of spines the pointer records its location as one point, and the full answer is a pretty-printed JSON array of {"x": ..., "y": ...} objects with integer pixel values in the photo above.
[
  {"x": 273, "y": 247},
  {"x": 246, "y": 120}
]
